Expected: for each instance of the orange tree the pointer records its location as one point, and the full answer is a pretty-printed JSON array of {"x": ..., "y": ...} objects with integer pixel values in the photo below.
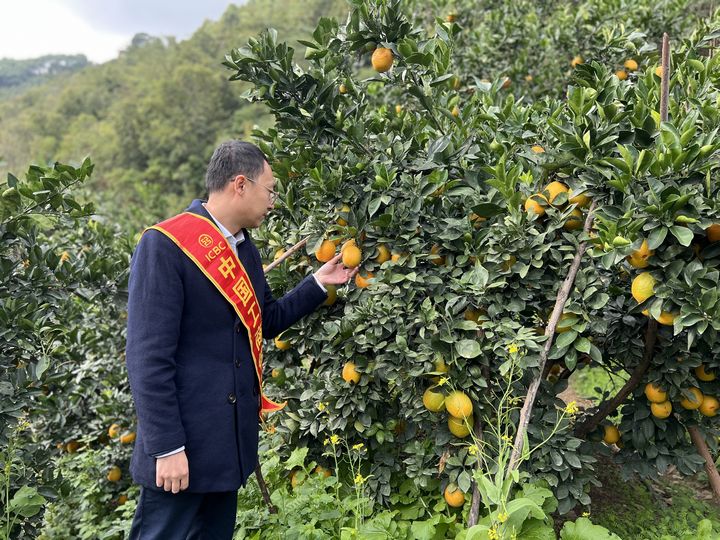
[
  {"x": 58, "y": 293},
  {"x": 476, "y": 197}
]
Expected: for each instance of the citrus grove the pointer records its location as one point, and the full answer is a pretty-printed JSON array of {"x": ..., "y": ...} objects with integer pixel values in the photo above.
[
  {"x": 480, "y": 198},
  {"x": 462, "y": 157}
]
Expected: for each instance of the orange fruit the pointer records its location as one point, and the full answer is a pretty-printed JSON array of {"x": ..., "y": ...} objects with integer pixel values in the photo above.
[
  {"x": 661, "y": 410},
  {"x": 342, "y": 89},
  {"x": 382, "y": 59},
  {"x": 666, "y": 318},
  {"x": 326, "y": 251},
  {"x": 350, "y": 374},
  {"x": 297, "y": 477},
  {"x": 639, "y": 257},
  {"x": 460, "y": 427},
  {"x": 458, "y": 404},
  {"x": 351, "y": 256},
  {"x": 713, "y": 232},
  {"x": 659, "y": 71},
  {"x": 654, "y": 393},
  {"x": 455, "y": 111},
  {"x": 643, "y": 287},
  {"x": 532, "y": 204},
  {"x": 693, "y": 402},
  {"x": 122, "y": 499},
  {"x": 704, "y": 375},
  {"x": 709, "y": 406},
  {"x": 341, "y": 220},
  {"x": 363, "y": 281},
  {"x": 631, "y": 65},
  {"x": 621, "y": 74},
  {"x": 322, "y": 471},
  {"x": 574, "y": 221},
  {"x": 383, "y": 254},
  {"x": 612, "y": 435},
  {"x": 282, "y": 345},
  {"x": 577, "y": 61},
  {"x": 580, "y": 199},
  {"x": 553, "y": 189},
  {"x": 537, "y": 149},
  {"x": 114, "y": 474},
  {"x": 433, "y": 401},
  {"x": 72, "y": 447},
  {"x": 454, "y": 496},
  {"x": 436, "y": 259},
  {"x": 451, "y": 17},
  {"x": 331, "y": 295},
  {"x": 114, "y": 431},
  {"x": 128, "y": 437}
]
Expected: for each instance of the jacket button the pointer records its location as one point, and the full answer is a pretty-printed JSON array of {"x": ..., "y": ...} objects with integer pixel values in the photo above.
[
  {"x": 238, "y": 328},
  {"x": 231, "y": 398},
  {"x": 237, "y": 362}
]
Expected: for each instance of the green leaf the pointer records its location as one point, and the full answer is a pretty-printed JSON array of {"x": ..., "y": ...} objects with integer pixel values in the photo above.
[
  {"x": 683, "y": 234},
  {"x": 468, "y": 348},
  {"x": 565, "y": 339},
  {"x": 584, "y": 529}
]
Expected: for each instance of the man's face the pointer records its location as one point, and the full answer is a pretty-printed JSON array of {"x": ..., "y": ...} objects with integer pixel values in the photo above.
[{"x": 258, "y": 197}]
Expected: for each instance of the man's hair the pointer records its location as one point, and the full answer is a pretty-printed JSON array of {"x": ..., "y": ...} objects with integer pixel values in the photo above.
[{"x": 230, "y": 159}]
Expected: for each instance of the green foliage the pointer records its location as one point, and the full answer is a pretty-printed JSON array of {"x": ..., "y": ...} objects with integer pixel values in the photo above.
[
  {"x": 89, "y": 507},
  {"x": 413, "y": 175},
  {"x": 18, "y": 75},
  {"x": 583, "y": 529},
  {"x": 333, "y": 506}
]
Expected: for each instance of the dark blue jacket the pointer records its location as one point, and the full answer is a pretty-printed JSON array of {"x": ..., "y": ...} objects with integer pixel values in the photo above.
[{"x": 189, "y": 362}]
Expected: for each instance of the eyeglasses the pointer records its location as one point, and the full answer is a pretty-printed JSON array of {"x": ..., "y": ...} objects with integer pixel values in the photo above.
[{"x": 273, "y": 193}]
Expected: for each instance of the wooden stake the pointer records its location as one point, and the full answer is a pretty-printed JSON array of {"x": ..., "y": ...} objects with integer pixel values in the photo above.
[
  {"x": 665, "y": 80},
  {"x": 258, "y": 471},
  {"x": 285, "y": 255},
  {"x": 712, "y": 472},
  {"x": 560, "y": 301}
]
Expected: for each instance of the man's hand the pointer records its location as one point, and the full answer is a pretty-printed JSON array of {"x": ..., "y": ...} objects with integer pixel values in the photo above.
[
  {"x": 172, "y": 473},
  {"x": 334, "y": 272}
]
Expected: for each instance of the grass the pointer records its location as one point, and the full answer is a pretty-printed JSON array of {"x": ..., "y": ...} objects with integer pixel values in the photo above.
[{"x": 672, "y": 509}]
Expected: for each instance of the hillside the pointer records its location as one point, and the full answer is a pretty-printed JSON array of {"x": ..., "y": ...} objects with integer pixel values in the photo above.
[{"x": 150, "y": 118}]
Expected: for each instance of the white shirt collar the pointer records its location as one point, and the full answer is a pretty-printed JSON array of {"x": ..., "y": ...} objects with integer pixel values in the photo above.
[{"x": 233, "y": 239}]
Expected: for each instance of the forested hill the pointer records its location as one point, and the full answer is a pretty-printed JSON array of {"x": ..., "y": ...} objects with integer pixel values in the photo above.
[
  {"x": 17, "y": 75},
  {"x": 150, "y": 118}
]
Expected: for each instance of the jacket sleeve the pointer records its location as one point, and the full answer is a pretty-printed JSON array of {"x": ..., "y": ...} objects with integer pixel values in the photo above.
[
  {"x": 280, "y": 314},
  {"x": 155, "y": 306}
]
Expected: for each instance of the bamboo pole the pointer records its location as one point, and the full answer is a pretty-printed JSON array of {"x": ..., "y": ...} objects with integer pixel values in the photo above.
[{"x": 560, "y": 301}]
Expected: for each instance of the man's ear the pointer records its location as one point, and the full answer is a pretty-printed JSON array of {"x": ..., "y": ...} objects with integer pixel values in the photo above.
[{"x": 239, "y": 182}]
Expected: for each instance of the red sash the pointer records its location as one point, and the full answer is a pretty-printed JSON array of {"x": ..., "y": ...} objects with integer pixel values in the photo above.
[{"x": 202, "y": 241}]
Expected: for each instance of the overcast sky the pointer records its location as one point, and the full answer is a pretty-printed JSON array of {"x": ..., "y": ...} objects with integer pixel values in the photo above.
[{"x": 96, "y": 28}]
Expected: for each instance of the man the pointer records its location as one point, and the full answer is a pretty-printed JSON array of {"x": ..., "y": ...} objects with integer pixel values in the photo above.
[{"x": 198, "y": 309}]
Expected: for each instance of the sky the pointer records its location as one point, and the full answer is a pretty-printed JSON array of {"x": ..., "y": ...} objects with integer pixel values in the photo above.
[{"x": 99, "y": 29}]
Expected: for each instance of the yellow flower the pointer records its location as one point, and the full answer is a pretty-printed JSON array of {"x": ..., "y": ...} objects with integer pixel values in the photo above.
[
  {"x": 506, "y": 438},
  {"x": 473, "y": 450},
  {"x": 334, "y": 439},
  {"x": 326, "y": 442},
  {"x": 321, "y": 406},
  {"x": 571, "y": 408},
  {"x": 358, "y": 446},
  {"x": 513, "y": 348},
  {"x": 443, "y": 381},
  {"x": 586, "y": 514},
  {"x": 359, "y": 479},
  {"x": 503, "y": 517},
  {"x": 493, "y": 534}
]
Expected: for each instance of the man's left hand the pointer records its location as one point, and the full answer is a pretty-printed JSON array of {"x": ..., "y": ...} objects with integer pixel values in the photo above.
[{"x": 334, "y": 272}]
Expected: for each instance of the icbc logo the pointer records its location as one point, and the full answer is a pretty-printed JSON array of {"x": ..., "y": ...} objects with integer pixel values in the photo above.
[{"x": 205, "y": 240}]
